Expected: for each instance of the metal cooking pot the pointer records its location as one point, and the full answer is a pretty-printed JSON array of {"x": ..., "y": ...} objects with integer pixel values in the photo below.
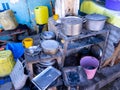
[
  {"x": 47, "y": 35},
  {"x": 46, "y": 63},
  {"x": 95, "y": 22},
  {"x": 50, "y": 46},
  {"x": 96, "y": 51},
  {"x": 72, "y": 25},
  {"x": 33, "y": 50}
]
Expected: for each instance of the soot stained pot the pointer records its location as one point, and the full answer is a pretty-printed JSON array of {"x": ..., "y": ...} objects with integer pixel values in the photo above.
[
  {"x": 95, "y": 22},
  {"x": 72, "y": 25},
  {"x": 96, "y": 51},
  {"x": 50, "y": 46}
]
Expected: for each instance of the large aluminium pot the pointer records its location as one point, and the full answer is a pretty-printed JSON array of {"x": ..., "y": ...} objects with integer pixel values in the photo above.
[
  {"x": 95, "y": 22},
  {"x": 72, "y": 25},
  {"x": 50, "y": 46}
]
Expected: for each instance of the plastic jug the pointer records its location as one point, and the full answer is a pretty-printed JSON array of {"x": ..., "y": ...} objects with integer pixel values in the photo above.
[
  {"x": 41, "y": 14},
  {"x": 6, "y": 63}
]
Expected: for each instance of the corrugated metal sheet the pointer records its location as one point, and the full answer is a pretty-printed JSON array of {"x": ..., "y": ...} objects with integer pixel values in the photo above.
[{"x": 114, "y": 37}]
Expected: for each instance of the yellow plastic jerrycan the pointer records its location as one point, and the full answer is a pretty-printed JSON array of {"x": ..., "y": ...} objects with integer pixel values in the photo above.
[
  {"x": 6, "y": 62},
  {"x": 41, "y": 14}
]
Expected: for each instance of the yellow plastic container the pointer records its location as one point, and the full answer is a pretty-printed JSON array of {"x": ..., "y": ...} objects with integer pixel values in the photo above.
[
  {"x": 41, "y": 14},
  {"x": 56, "y": 17},
  {"x": 6, "y": 63}
]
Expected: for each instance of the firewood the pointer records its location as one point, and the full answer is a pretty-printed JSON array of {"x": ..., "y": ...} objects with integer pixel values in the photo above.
[{"x": 114, "y": 59}]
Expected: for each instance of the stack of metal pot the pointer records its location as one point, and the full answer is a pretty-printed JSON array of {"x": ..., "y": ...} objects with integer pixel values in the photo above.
[{"x": 49, "y": 44}]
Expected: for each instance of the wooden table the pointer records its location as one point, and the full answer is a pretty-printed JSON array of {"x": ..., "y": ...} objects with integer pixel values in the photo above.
[{"x": 30, "y": 60}]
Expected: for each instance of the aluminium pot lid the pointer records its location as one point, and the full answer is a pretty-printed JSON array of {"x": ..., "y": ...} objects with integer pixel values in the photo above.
[
  {"x": 95, "y": 17},
  {"x": 50, "y": 44},
  {"x": 72, "y": 20}
]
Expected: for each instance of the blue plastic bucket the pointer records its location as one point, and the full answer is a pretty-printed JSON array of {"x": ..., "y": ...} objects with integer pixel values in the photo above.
[{"x": 113, "y": 4}]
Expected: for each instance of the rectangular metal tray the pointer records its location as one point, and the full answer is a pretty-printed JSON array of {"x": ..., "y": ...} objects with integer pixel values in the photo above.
[{"x": 46, "y": 77}]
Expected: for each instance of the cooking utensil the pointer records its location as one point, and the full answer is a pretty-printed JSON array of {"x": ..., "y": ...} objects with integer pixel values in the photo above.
[
  {"x": 95, "y": 22},
  {"x": 50, "y": 46},
  {"x": 96, "y": 51},
  {"x": 46, "y": 35},
  {"x": 48, "y": 62},
  {"x": 72, "y": 25},
  {"x": 46, "y": 77},
  {"x": 33, "y": 50}
]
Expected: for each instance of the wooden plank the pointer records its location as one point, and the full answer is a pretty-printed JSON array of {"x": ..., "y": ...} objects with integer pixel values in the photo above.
[{"x": 13, "y": 32}]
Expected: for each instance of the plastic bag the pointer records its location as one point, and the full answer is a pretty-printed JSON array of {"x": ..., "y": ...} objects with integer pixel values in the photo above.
[
  {"x": 16, "y": 48},
  {"x": 18, "y": 77},
  {"x": 7, "y": 20}
]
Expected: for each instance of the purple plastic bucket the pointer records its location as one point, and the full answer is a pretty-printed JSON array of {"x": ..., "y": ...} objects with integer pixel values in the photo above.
[
  {"x": 90, "y": 65},
  {"x": 113, "y": 4}
]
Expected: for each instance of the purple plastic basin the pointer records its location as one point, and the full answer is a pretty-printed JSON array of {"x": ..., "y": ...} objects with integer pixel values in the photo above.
[{"x": 113, "y": 4}]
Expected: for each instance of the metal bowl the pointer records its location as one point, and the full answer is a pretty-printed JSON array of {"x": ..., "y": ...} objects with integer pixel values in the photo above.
[
  {"x": 33, "y": 50},
  {"x": 50, "y": 46}
]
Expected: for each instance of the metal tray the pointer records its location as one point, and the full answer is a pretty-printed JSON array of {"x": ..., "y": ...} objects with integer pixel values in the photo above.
[{"x": 46, "y": 77}]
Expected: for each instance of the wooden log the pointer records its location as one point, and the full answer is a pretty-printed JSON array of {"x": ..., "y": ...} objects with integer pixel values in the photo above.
[{"x": 114, "y": 59}]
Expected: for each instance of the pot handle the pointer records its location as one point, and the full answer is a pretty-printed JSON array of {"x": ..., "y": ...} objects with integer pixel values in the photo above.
[
  {"x": 83, "y": 18},
  {"x": 41, "y": 39}
]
